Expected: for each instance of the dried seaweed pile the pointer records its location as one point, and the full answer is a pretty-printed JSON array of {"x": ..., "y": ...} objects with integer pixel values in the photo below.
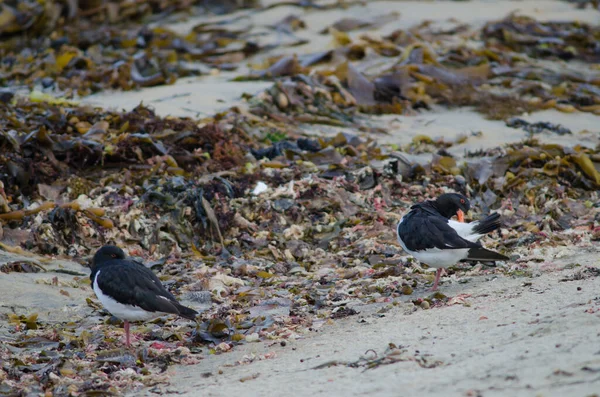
[
  {"x": 272, "y": 233},
  {"x": 59, "y": 47},
  {"x": 42, "y": 142},
  {"x": 83, "y": 62},
  {"x": 562, "y": 40},
  {"x": 495, "y": 69},
  {"x": 38, "y": 17},
  {"x": 281, "y": 238},
  {"x": 197, "y": 182}
]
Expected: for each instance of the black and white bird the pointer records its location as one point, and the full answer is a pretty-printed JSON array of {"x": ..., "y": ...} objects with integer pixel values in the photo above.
[
  {"x": 130, "y": 291},
  {"x": 428, "y": 233}
]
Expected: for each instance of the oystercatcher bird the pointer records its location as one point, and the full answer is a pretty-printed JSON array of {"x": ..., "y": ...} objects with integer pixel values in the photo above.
[
  {"x": 130, "y": 291},
  {"x": 428, "y": 233}
]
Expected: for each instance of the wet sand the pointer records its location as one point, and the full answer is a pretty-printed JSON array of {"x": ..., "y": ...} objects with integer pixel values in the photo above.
[{"x": 36, "y": 293}]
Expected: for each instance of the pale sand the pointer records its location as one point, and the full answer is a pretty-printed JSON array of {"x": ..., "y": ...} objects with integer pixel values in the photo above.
[
  {"x": 34, "y": 292},
  {"x": 515, "y": 339}
]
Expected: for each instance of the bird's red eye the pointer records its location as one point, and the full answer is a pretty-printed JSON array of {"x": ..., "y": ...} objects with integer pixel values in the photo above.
[
  {"x": 113, "y": 255},
  {"x": 462, "y": 201}
]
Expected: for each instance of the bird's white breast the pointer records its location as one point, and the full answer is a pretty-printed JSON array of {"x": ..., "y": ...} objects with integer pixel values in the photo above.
[{"x": 119, "y": 310}]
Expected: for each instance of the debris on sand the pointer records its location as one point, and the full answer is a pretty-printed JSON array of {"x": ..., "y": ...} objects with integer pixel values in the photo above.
[
  {"x": 536, "y": 128},
  {"x": 393, "y": 354},
  {"x": 266, "y": 230}
]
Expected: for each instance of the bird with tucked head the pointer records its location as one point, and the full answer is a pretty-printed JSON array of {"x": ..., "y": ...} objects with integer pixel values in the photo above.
[{"x": 130, "y": 291}]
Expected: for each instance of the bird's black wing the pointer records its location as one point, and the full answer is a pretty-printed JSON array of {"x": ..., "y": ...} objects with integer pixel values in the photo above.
[
  {"x": 420, "y": 231},
  {"x": 133, "y": 284},
  {"x": 155, "y": 280}
]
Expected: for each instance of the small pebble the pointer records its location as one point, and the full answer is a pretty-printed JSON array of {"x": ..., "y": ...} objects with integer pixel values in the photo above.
[
  {"x": 407, "y": 290},
  {"x": 252, "y": 337},
  {"x": 282, "y": 100}
]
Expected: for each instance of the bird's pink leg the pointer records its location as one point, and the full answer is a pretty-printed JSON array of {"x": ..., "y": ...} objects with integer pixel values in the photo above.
[
  {"x": 126, "y": 326},
  {"x": 438, "y": 273}
]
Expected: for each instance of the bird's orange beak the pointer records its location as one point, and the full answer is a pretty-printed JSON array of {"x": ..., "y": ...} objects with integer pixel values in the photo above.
[{"x": 460, "y": 215}]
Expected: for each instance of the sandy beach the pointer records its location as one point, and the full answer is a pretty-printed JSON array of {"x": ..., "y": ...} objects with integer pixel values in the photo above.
[
  {"x": 509, "y": 336},
  {"x": 512, "y": 336},
  {"x": 530, "y": 333}
]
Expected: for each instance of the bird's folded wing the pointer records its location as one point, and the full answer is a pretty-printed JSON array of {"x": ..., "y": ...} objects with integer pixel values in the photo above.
[
  {"x": 131, "y": 285},
  {"x": 426, "y": 232},
  {"x": 149, "y": 273}
]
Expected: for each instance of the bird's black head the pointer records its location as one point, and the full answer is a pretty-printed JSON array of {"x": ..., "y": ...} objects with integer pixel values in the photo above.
[
  {"x": 450, "y": 204},
  {"x": 107, "y": 253}
]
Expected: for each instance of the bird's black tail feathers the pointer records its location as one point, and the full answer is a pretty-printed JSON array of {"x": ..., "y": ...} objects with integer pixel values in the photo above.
[
  {"x": 484, "y": 255},
  {"x": 185, "y": 312},
  {"x": 489, "y": 224}
]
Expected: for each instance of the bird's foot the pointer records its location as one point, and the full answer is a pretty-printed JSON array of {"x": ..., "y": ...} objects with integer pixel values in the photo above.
[{"x": 438, "y": 274}]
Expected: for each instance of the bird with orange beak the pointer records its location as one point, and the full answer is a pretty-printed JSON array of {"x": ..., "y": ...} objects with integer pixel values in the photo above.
[{"x": 429, "y": 234}]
